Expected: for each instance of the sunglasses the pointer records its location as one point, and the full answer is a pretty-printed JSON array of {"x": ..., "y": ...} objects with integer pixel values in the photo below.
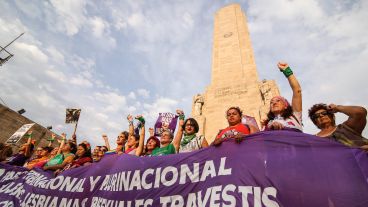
[{"x": 320, "y": 114}]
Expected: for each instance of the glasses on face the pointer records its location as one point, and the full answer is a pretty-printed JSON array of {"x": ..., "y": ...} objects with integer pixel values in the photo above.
[
  {"x": 189, "y": 125},
  {"x": 320, "y": 114}
]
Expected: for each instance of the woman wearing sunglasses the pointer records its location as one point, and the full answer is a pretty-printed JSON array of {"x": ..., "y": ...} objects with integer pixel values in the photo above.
[{"x": 349, "y": 132}]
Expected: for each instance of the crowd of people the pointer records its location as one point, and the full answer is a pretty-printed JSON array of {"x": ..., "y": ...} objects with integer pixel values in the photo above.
[{"x": 281, "y": 116}]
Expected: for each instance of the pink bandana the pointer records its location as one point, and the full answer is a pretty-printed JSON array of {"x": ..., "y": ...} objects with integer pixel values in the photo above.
[{"x": 281, "y": 99}]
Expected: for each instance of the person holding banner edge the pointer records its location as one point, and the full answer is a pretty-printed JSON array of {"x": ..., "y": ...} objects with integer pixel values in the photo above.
[
  {"x": 186, "y": 139},
  {"x": 236, "y": 128},
  {"x": 282, "y": 115}
]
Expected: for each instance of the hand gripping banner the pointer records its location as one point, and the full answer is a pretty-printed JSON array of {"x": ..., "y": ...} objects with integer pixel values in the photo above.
[{"x": 267, "y": 169}]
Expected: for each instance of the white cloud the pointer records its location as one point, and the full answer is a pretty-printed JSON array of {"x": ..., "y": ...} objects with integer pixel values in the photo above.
[
  {"x": 71, "y": 15},
  {"x": 56, "y": 55},
  {"x": 143, "y": 92},
  {"x": 32, "y": 51},
  {"x": 131, "y": 95},
  {"x": 80, "y": 81}
]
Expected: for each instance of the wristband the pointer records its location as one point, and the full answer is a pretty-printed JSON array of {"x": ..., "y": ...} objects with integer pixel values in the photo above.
[
  {"x": 287, "y": 72},
  {"x": 51, "y": 139},
  {"x": 141, "y": 119},
  {"x": 181, "y": 117}
]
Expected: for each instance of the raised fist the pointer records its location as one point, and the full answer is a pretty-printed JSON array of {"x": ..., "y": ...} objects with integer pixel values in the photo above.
[
  {"x": 104, "y": 136},
  {"x": 130, "y": 118},
  {"x": 282, "y": 65},
  {"x": 151, "y": 132}
]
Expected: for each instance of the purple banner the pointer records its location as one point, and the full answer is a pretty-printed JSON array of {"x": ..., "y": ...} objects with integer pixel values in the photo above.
[
  {"x": 266, "y": 169},
  {"x": 165, "y": 121}
]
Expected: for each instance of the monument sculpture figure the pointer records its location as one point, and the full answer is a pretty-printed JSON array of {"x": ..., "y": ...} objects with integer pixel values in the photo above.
[{"x": 198, "y": 103}]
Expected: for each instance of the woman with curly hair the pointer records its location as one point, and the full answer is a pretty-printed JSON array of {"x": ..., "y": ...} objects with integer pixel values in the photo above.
[
  {"x": 282, "y": 114},
  {"x": 349, "y": 132}
]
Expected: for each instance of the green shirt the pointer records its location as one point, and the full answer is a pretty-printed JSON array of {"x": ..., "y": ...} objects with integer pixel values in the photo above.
[{"x": 169, "y": 149}]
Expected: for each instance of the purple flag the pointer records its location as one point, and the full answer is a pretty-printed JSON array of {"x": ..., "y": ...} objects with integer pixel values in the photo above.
[
  {"x": 165, "y": 121},
  {"x": 274, "y": 168},
  {"x": 250, "y": 120}
]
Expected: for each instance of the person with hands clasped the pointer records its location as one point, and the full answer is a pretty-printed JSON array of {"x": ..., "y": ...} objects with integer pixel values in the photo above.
[
  {"x": 282, "y": 114},
  {"x": 236, "y": 128},
  {"x": 349, "y": 132},
  {"x": 186, "y": 139}
]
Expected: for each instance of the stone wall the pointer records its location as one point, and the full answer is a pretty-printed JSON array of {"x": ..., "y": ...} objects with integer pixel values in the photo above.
[{"x": 11, "y": 121}]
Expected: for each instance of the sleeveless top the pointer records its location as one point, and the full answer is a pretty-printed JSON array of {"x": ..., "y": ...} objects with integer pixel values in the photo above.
[
  {"x": 232, "y": 131},
  {"x": 194, "y": 144},
  {"x": 58, "y": 159},
  {"x": 348, "y": 136}
]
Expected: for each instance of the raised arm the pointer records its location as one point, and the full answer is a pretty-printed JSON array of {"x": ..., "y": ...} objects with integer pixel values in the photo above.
[
  {"x": 62, "y": 143},
  {"x": 106, "y": 140},
  {"x": 27, "y": 152},
  {"x": 179, "y": 134},
  {"x": 357, "y": 116},
  {"x": 131, "y": 126},
  {"x": 142, "y": 132},
  {"x": 296, "y": 102}
]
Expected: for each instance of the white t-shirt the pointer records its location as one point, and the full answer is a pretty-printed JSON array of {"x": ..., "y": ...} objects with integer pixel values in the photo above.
[
  {"x": 292, "y": 122},
  {"x": 194, "y": 144}
]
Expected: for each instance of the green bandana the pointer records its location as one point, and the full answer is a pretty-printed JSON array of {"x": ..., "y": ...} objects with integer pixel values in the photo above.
[{"x": 187, "y": 139}]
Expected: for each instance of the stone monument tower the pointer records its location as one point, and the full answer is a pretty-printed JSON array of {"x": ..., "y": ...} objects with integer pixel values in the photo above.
[{"x": 234, "y": 80}]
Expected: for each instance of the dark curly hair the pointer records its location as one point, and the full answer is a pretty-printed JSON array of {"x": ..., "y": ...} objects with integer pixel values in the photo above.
[
  {"x": 317, "y": 107},
  {"x": 48, "y": 149},
  {"x": 126, "y": 134},
  {"x": 194, "y": 124},
  {"x": 73, "y": 146},
  {"x": 235, "y": 108},
  {"x": 86, "y": 149},
  {"x": 155, "y": 139}
]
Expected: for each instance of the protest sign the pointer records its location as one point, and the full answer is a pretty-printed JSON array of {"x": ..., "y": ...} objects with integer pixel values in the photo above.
[
  {"x": 19, "y": 134},
  {"x": 165, "y": 121}
]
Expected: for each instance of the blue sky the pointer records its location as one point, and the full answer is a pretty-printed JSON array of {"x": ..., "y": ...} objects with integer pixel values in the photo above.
[{"x": 112, "y": 58}]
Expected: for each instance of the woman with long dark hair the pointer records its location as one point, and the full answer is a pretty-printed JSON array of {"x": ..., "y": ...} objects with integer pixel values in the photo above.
[
  {"x": 83, "y": 157},
  {"x": 64, "y": 156},
  {"x": 282, "y": 114}
]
